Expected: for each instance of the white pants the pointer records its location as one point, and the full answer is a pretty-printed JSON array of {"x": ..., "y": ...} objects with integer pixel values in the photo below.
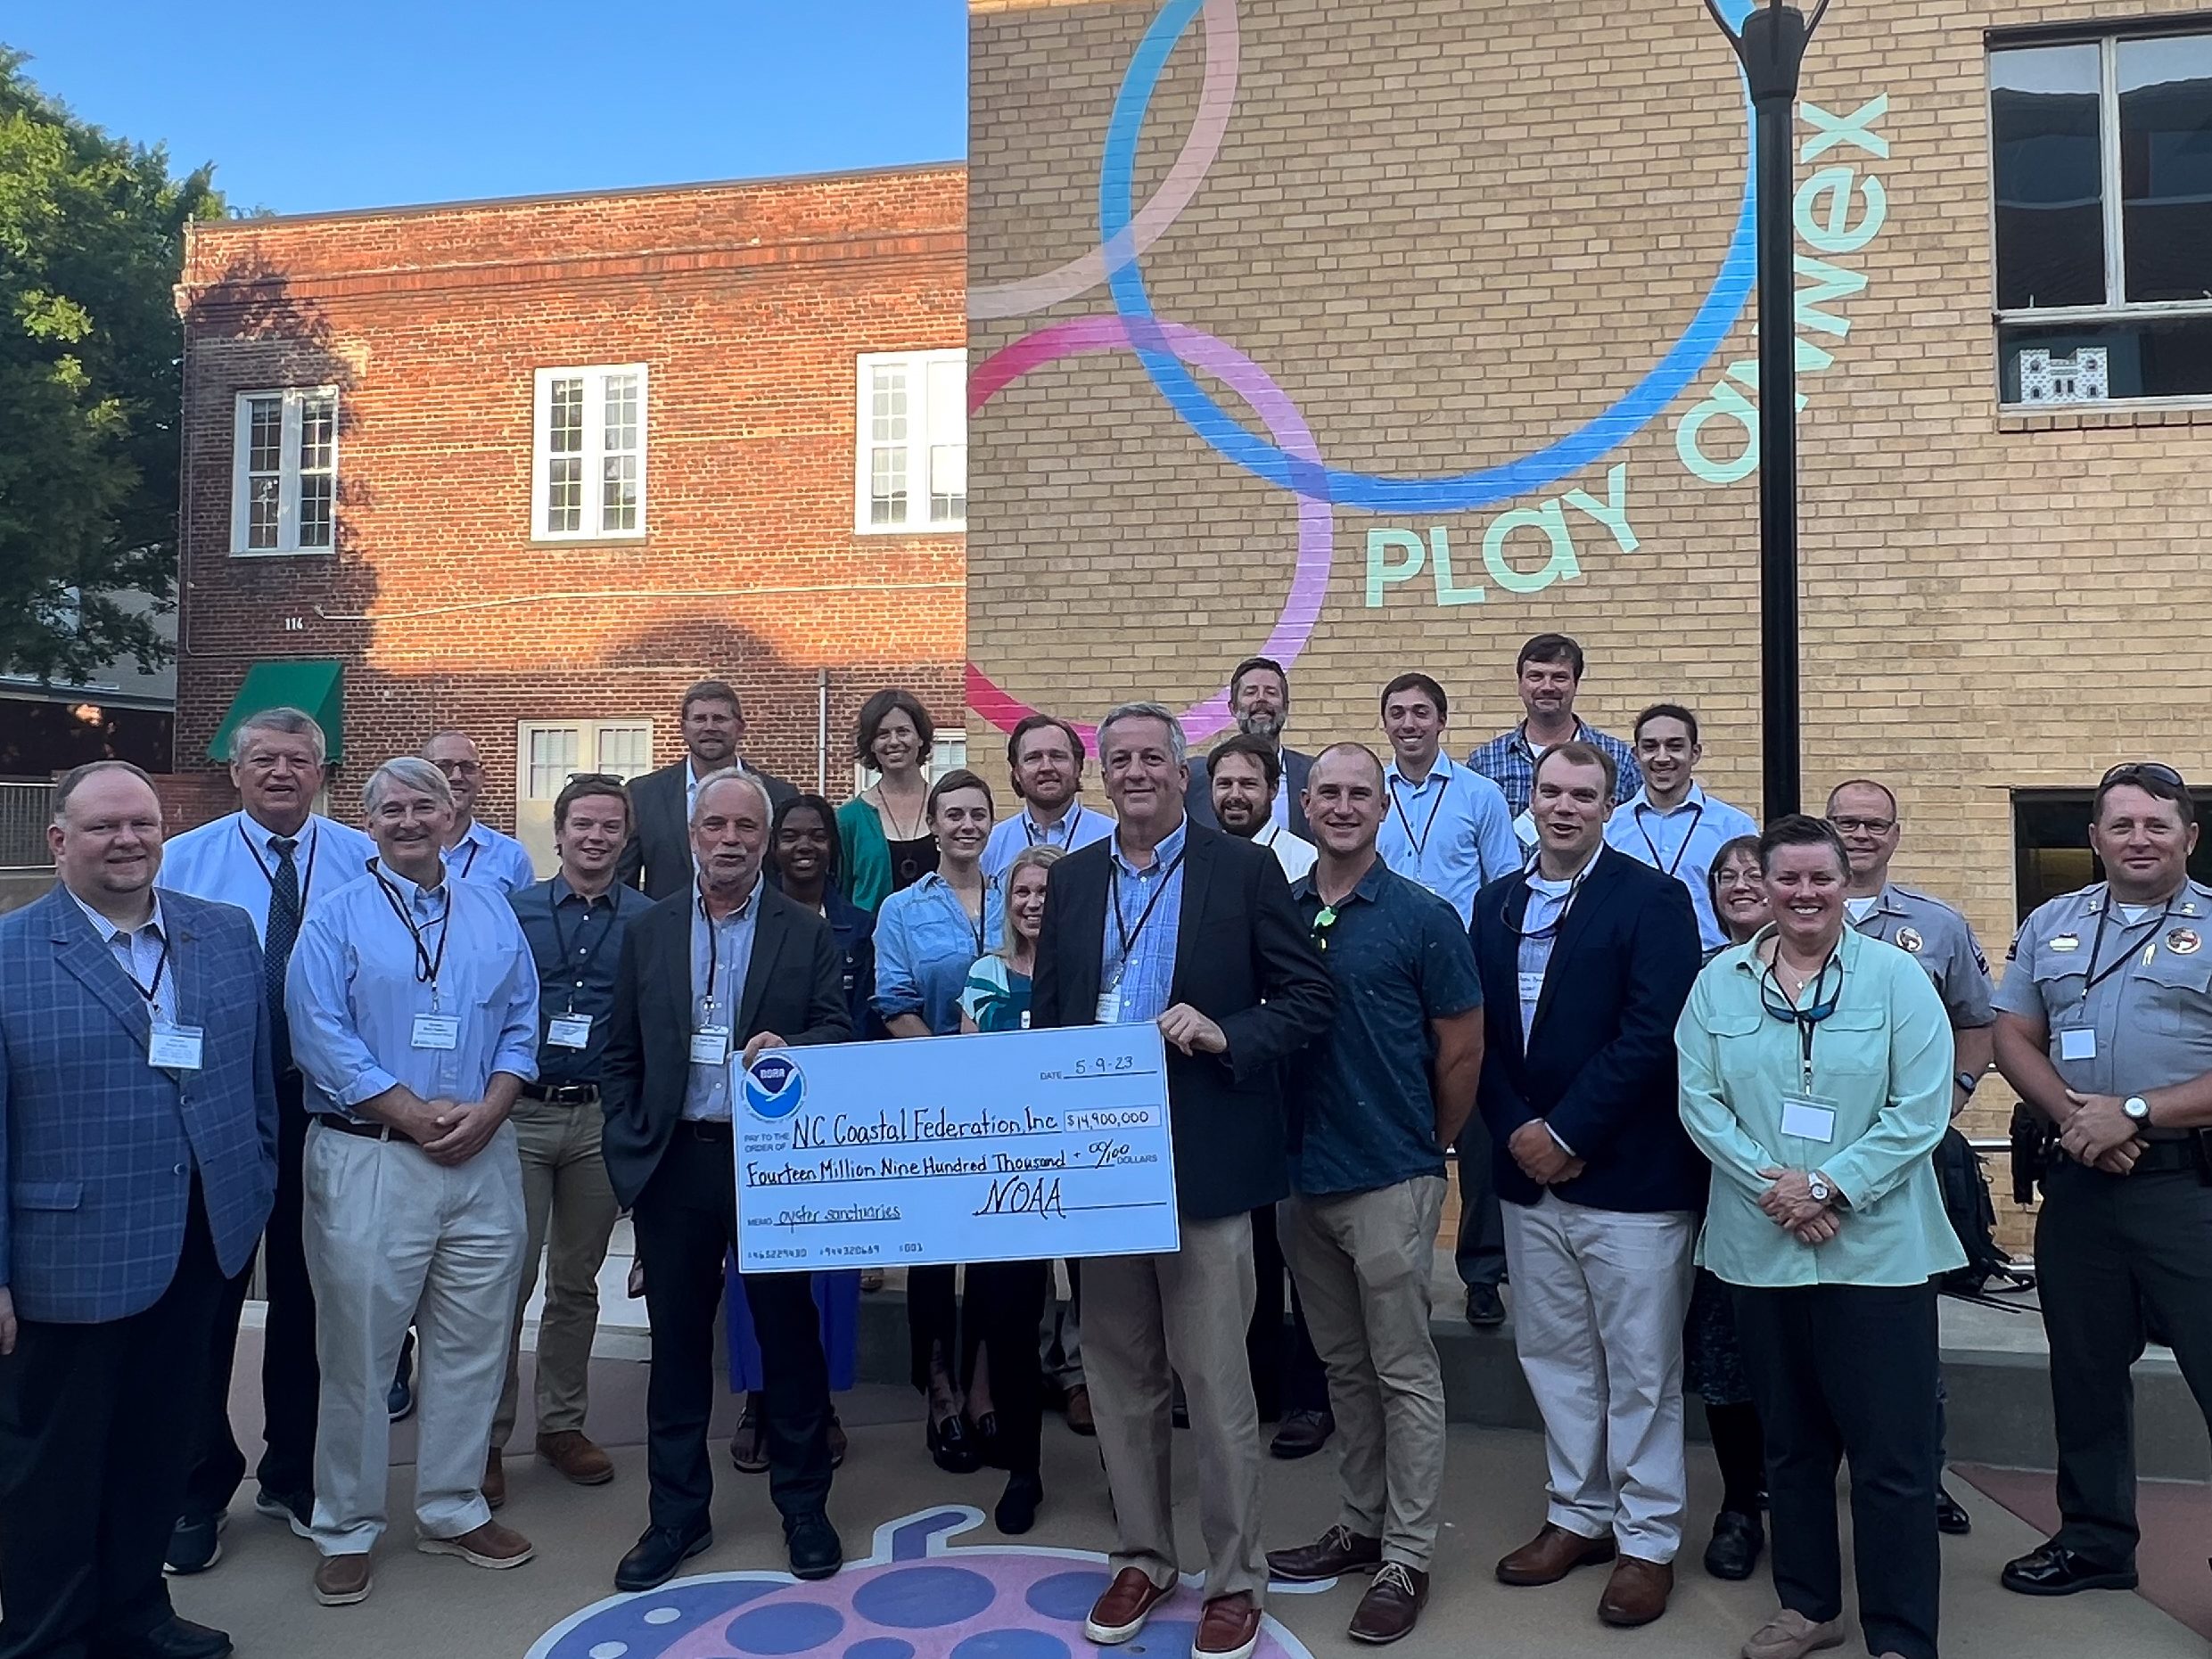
[
  {"x": 1599, "y": 1297},
  {"x": 394, "y": 1239}
]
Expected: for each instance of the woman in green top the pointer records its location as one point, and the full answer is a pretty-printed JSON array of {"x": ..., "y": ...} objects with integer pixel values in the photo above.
[
  {"x": 996, "y": 998},
  {"x": 883, "y": 832},
  {"x": 1816, "y": 1075}
]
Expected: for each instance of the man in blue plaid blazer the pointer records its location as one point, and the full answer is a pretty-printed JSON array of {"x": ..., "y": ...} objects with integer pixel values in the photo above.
[{"x": 138, "y": 1164}]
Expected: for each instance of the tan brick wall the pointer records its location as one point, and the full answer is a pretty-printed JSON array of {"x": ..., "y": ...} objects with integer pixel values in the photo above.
[
  {"x": 1454, "y": 231},
  {"x": 747, "y": 303}
]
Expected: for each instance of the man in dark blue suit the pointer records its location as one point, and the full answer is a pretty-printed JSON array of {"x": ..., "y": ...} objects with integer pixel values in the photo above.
[
  {"x": 1586, "y": 959},
  {"x": 138, "y": 1160}
]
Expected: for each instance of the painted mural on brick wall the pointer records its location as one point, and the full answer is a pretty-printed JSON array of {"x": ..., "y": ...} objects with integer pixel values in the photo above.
[{"x": 1547, "y": 515}]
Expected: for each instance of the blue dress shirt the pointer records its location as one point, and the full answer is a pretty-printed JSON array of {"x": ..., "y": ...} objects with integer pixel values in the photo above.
[
  {"x": 1451, "y": 832},
  {"x": 233, "y": 859},
  {"x": 356, "y": 985},
  {"x": 924, "y": 941},
  {"x": 722, "y": 955},
  {"x": 488, "y": 857},
  {"x": 1682, "y": 841},
  {"x": 1140, "y": 962},
  {"x": 1079, "y": 826},
  {"x": 576, "y": 944}
]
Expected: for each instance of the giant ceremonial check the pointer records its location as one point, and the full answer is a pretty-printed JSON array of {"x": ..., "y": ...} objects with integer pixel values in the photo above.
[{"x": 1015, "y": 1146}]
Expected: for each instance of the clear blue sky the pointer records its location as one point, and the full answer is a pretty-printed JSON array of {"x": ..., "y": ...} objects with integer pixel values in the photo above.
[{"x": 375, "y": 103}]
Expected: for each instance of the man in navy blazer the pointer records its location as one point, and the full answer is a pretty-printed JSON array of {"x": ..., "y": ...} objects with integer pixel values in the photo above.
[
  {"x": 138, "y": 1160},
  {"x": 1586, "y": 959}
]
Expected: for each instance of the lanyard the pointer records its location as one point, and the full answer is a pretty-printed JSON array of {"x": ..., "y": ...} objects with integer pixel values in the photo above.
[
  {"x": 2096, "y": 943},
  {"x": 149, "y": 992},
  {"x": 426, "y": 965},
  {"x": 1043, "y": 837},
  {"x": 1807, "y": 1019},
  {"x": 559, "y": 938},
  {"x": 1680, "y": 851},
  {"x": 1420, "y": 841},
  {"x": 471, "y": 864},
  {"x": 1551, "y": 929},
  {"x": 1129, "y": 935},
  {"x": 307, "y": 881},
  {"x": 714, "y": 943}
]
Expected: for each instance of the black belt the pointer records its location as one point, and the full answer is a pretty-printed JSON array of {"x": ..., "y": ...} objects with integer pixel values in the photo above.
[
  {"x": 702, "y": 1129},
  {"x": 562, "y": 1094},
  {"x": 352, "y": 1126},
  {"x": 2167, "y": 1157}
]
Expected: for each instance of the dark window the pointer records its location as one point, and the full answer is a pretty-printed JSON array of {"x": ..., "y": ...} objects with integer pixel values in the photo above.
[
  {"x": 2045, "y": 119},
  {"x": 2051, "y": 852},
  {"x": 2166, "y": 167}
]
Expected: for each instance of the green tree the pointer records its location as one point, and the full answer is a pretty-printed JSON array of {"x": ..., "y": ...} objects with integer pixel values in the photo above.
[{"x": 92, "y": 233}]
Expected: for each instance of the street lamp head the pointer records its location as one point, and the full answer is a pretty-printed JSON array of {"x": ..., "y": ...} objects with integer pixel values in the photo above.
[{"x": 1770, "y": 45}]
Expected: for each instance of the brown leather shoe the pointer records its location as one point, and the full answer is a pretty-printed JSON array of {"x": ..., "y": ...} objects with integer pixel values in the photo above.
[
  {"x": 1391, "y": 1605},
  {"x": 489, "y": 1545},
  {"x": 341, "y": 1580},
  {"x": 1552, "y": 1555},
  {"x": 1121, "y": 1612},
  {"x": 1077, "y": 1410},
  {"x": 1336, "y": 1552},
  {"x": 1637, "y": 1592},
  {"x": 1228, "y": 1629},
  {"x": 576, "y": 1457},
  {"x": 495, "y": 1486}
]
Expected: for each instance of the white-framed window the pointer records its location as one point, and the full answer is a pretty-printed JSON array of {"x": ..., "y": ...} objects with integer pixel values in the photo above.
[
  {"x": 284, "y": 481},
  {"x": 2101, "y": 177},
  {"x": 547, "y": 753},
  {"x": 911, "y": 466},
  {"x": 588, "y": 468}
]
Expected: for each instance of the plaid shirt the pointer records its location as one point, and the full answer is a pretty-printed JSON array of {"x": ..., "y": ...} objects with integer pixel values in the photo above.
[{"x": 1508, "y": 761}]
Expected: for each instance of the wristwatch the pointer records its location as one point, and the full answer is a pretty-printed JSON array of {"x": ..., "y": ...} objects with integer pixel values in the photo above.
[
  {"x": 1822, "y": 1193},
  {"x": 2138, "y": 1110},
  {"x": 1967, "y": 1081}
]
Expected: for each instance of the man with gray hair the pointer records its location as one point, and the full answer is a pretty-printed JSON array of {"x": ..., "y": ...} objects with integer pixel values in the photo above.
[
  {"x": 272, "y": 858},
  {"x": 1168, "y": 922},
  {"x": 413, "y": 1000}
]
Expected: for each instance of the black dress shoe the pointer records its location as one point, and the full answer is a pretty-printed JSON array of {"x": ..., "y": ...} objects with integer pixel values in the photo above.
[
  {"x": 1302, "y": 1434},
  {"x": 951, "y": 1447},
  {"x": 1738, "y": 1542},
  {"x": 1950, "y": 1518},
  {"x": 195, "y": 1544},
  {"x": 173, "y": 1639},
  {"x": 1017, "y": 1506},
  {"x": 2051, "y": 1571},
  {"x": 813, "y": 1544},
  {"x": 659, "y": 1553},
  {"x": 1485, "y": 1308}
]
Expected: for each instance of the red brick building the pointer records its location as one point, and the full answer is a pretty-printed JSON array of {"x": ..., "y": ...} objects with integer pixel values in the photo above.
[{"x": 531, "y": 467}]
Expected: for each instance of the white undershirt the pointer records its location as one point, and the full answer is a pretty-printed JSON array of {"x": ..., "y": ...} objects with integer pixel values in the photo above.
[{"x": 1859, "y": 910}]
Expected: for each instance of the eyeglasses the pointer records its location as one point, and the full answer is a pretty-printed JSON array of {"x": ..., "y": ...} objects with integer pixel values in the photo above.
[
  {"x": 1871, "y": 826},
  {"x": 2129, "y": 771},
  {"x": 1324, "y": 919},
  {"x": 465, "y": 768}
]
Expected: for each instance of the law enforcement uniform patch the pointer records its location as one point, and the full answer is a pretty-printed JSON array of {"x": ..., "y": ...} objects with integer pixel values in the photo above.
[
  {"x": 2183, "y": 942},
  {"x": 1909, "y": 939}
]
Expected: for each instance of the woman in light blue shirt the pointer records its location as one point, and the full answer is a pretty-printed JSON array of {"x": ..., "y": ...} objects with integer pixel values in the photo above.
[
  {"x": 926, "y": 937},
  {"x": 1816, "y": 1075}
]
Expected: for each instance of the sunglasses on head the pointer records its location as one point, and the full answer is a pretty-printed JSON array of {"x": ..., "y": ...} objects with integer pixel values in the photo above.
[
  {"x": 1324, "y": 919},
  {"x": 2132, "y": 771}
]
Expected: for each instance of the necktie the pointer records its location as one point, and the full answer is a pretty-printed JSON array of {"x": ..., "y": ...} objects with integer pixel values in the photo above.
[{"x": 283, "y": 931}]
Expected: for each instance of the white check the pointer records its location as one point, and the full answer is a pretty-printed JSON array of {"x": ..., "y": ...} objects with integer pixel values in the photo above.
[{"x": 1012, "y": 1146}]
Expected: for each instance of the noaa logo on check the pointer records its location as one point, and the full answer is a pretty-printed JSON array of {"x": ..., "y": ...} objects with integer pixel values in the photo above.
[{"x": 774, "y": 1086}]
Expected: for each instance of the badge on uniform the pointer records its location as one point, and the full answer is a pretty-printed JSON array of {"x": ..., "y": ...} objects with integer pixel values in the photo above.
[
  {"x": 1909, "y": 939},
  {"x": 2183, "y": 942},
  {"x": 2077, "y": 1043},
  {"x": 173, "y": 1048},
  {"x": 2065, "y": 941}
]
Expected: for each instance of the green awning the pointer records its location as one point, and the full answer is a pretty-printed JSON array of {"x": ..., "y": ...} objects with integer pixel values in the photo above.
[{"x": 315, "y": 686}]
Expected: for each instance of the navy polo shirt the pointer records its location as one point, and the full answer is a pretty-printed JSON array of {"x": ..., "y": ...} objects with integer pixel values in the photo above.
[{"x": 1362, "y": 1114}]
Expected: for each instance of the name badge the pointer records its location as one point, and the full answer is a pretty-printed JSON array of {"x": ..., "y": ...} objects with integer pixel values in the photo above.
[
  {"x": 175, "y": 1048},
  {"x": 1532, "y": 989},
  {"x": 1805, "y": 1118},
  {"x": 437, "y": 1030},
  {"x": 2078, "y": 1043},
  {"x": 709, "y": 1046},
  {"x": 1109, "y": 1009},
  {"x": 568, "y": 1030}
]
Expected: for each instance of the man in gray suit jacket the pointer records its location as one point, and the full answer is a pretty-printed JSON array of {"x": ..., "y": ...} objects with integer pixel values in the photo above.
[
  {"x": 138, "y": 1160},
  {"x": 658, "y": 857},
  {"x": 1259, "y": 696}
]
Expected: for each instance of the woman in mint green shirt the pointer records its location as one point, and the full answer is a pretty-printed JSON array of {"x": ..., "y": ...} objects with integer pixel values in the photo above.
[{"x": 1816, "y": 1075}]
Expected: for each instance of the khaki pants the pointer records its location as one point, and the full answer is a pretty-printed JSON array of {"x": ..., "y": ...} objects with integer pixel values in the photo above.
[
  {"x": 1361, "y": 1262},
  {"x": 394, "y": 1239},
  {"x": 570, "y": 1211},
  {"x": 1146, "y": 1320}
]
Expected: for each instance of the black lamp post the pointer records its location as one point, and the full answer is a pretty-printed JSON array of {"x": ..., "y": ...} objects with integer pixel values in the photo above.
[{"x": 1771, "y": 47}]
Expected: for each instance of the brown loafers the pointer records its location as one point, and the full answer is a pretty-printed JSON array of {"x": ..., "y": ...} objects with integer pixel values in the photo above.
[
  {"x": 1552, "y": 1555},
  {"x": 1637, "y": 1592}
]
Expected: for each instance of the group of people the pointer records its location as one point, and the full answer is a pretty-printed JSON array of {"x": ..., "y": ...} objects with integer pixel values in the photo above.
[{"x": 1693, "y": 1073}]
